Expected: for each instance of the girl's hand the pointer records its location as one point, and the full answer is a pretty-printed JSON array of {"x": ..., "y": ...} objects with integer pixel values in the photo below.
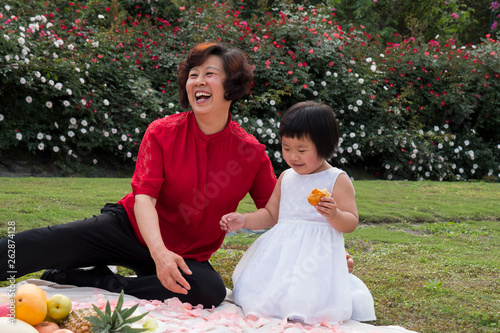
[
  {"x": 327, "y": 207},
  {"x": 232, "y": 221}
]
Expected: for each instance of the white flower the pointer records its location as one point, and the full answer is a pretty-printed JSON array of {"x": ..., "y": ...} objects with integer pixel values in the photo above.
[
  {"x": 106, "y": 134},
  {"x": 94, "y": 161},
  {"x": 259, "y": 122},
  {"x": 368, "y": 59},
  {"x": 1, "y": 117},
  {"x": 83, "y": 130},
  {"x": 39, "y": 136},
  {"x": 120, "y": 147},
  {"x": 83, "y": 101},
  {"x": 328, "y": 73},
  {"x": 55, "y": 149},
  {"x": 466, "y": 142},
  {"x": 335, "y": 75},
  {"x": 352, "y": 135},
  {"x": 62, "y": 138},
  {"x": 7, "y": 38},
  {"x": 361, "y": 81},
  {"x": 41, "y": 146},
  {"x": 48, "y": 104},
  {"x": 124, "y": 137},
  {"x": 72, "y": 121},
  {"x": 170, "y": 105},
  {"x": 272, "y": 102},
  {"x": 71, "y": 134},
  {"x": 114, "y": 130},
  {"x": 106, "y": 102},
  {"x": 100, "y": 16},
  {"x": 387, "y": 166},
  {"x": 71, "y": 47},
  {"x": 43, "y": 79},
  {"x": 21, "y": 41},
  {"x": 129, "y": 154},
  {"x": 84, "y": 122},
  {"x": 82, "y": 81},
  {"x": 58, "y": 86},
  {"x": 95, "y": 44},
  {"x": 359, "y": 102},
  {"x": 49, "y": 25},
  {"x": 54, "y": 55},
  {"x": 143, "y": 115},
  {"x": 22, "y": 80},
  {"x": 277, "y": 154},
  {"x": 19, "y": 136},
  {"x": 66, "y": 103},
  {"x": 51, "y": 82}
]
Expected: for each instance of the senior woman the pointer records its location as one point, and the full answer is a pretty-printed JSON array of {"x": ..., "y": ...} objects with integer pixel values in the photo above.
[{"x": 192, "y": 168}]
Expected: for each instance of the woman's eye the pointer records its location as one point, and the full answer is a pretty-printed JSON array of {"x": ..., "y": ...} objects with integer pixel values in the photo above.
[{"x": 302, "y": 151}]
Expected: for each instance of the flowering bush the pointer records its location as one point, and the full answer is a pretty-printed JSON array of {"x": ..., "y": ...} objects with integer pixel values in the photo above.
[{"x": 81, "y": 83}]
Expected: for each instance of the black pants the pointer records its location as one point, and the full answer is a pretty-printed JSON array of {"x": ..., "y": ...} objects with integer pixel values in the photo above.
[{"x": 107, "y": 239}]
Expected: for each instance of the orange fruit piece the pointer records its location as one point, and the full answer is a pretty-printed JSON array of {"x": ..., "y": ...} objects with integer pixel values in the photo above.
[
  {"x": 315, "y": 196},
  {"x": 31, "y": 304}
]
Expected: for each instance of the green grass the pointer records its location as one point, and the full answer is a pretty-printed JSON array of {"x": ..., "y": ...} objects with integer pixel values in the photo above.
[{"x": 428, "y": 251}]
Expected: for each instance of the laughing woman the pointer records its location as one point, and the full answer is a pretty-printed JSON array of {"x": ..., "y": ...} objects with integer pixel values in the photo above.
[{"x": 192, "y": 168}]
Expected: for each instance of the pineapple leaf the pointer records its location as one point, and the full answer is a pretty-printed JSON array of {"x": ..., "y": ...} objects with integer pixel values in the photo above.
[
  {"x": 98, "y": 311},
  {"x": 136, "y": 318},
  {"x": 128, "y": 329}
]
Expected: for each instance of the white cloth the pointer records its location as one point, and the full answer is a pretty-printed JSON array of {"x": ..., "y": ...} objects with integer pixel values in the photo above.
[
  {"x": 298, "y": 268},
  {"x": 173, "y": 316}
]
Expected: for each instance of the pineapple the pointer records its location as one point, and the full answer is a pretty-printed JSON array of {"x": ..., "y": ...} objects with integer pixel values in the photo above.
[
  {"x": 76, "y": 321},
  {"x": 96, "y": 321}
]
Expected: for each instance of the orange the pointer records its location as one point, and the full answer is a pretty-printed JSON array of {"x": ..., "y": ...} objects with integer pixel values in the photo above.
[{"x": 31, "y": 304}]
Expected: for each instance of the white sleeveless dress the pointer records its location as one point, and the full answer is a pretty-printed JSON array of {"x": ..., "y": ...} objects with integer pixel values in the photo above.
[{"x": 298, "y": 268}]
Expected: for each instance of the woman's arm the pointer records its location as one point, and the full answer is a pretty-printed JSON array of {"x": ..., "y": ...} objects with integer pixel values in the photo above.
[{"x": 167, "y": 262}]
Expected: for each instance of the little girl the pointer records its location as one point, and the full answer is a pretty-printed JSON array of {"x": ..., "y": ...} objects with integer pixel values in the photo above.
[{"x": 297, "y": 269}]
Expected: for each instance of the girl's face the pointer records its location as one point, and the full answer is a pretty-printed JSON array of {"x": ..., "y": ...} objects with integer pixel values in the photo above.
[
  {"x": 205, "y": 88},
  {"x": 301, "y": 155}
]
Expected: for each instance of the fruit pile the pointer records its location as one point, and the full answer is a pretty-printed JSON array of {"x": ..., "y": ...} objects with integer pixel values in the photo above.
[{"x": 34, "y": 313}]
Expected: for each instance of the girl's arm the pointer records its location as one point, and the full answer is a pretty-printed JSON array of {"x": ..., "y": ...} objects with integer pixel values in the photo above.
[
  {"x": 340, "y": 210},
  {"x": 260, "y": 219}
]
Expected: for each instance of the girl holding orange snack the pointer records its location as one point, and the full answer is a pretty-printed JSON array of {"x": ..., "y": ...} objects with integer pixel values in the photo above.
[{"x": 297, "y": 269}]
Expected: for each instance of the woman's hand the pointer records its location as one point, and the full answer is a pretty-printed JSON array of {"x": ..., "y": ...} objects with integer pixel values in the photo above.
[
  {"x": 168, "y": 269},
  {"x": 231, "y": 222},
  {"x": 350, "y": 262}
]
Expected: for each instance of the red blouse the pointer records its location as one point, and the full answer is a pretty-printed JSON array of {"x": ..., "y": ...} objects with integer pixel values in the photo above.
[{"x": 197, "y": 178}]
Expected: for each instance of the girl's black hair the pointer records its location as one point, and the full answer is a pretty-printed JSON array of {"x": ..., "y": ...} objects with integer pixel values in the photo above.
[{"x": 313, "y": 120}]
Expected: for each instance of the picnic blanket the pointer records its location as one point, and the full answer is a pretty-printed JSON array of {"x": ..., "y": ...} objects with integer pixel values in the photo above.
[{"x": 172, "y": 315}]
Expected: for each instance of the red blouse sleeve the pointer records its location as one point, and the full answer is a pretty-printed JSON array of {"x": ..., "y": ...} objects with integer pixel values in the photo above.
[
  {"x": 149, "y": 174},
  {"x": 263, "y": 183}
]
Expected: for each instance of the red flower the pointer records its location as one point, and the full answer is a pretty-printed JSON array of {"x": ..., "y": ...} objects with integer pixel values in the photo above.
[{"x": 443, "y": 103}]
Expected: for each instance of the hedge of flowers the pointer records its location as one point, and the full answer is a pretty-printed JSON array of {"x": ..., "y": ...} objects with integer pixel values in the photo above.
[{"x": 81, "y": 81}]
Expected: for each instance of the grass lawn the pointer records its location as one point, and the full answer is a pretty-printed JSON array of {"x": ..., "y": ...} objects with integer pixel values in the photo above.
[{"x": 428, "y": 251}]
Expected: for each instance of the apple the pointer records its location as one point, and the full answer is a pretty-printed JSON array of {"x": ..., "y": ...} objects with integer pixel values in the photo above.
[
  {"x": 4, "y": 309},
  {"x": 58, "y": 306},
  {"x": 47, "y": 327},
  {"x": 63, "y": 330}
]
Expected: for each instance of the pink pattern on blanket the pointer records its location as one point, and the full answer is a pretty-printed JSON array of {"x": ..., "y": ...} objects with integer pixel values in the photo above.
[{"x": 187, "y": 317}]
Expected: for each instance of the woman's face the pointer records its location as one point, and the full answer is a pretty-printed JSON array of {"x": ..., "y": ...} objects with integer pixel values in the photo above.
[{"x": 205, "y": 87}]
